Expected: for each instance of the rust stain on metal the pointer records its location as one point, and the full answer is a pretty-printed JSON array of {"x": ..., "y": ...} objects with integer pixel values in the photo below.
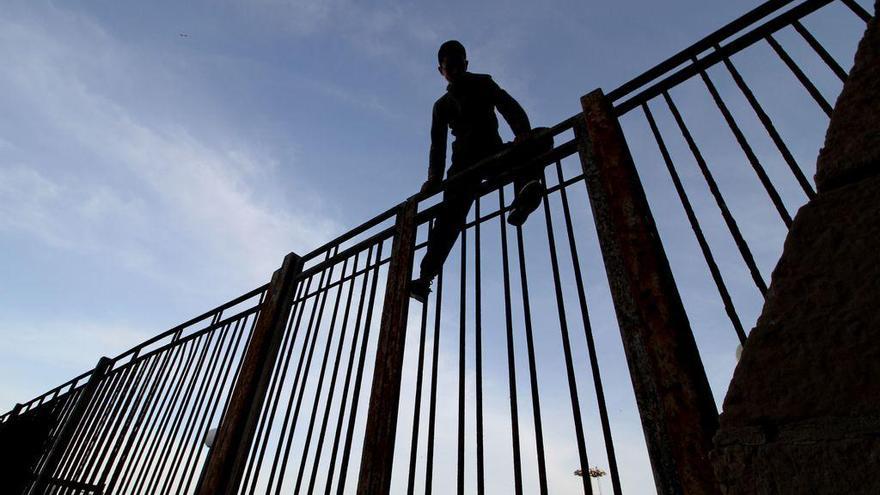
[
  {"x": 378, "y": 452},
  {"x": 226, "y": 462},
  {"x": 675, "y": 402}
]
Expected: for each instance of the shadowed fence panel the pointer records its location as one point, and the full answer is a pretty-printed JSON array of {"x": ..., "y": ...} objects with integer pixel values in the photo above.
[{"x": 725, "y": 139}]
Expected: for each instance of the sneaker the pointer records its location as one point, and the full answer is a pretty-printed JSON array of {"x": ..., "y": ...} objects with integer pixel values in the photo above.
[
  {"x": 419, "y": 290},
  {"x": 527, "y": 201}
]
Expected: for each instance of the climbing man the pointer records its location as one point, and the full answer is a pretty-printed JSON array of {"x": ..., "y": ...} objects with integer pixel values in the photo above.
[{"x": 468, "y": 109}]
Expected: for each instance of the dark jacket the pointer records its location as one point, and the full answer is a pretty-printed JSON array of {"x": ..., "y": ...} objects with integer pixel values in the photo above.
[{"x": 468, "y": 109}]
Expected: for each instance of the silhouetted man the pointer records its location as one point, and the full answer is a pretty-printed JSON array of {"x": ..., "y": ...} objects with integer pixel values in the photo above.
[{"x": 468, "y": 110}]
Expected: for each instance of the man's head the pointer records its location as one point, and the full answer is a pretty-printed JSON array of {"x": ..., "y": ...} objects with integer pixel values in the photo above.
[{"x": 452, "y": 59}]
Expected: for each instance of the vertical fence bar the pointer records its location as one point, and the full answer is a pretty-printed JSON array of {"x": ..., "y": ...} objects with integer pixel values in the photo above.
[
  {"x": 799, "y": 74},
  {"x": 732, "y": 226},
  {"x": 335, "y": 375},
  {"x": 533, "y": 367},
  {"x": 65, "y": 435},
  {"x": 566, "y": 346},
  {"x": 432, "y": 404},
  {"x": 511, "y": 356},
  {"x": 417, "y": 404},
  {"x": 359, "y": 374},
  {"x": 746, "y": 148},
  {"x": 321, "y": 376},
  {"x": 767, "y": 123},
  {"x": 462, "y": 357},
  {"x": 695, "y": 226},
  {"x": 478, "y": 351},
  {"x": 378, "y": 451},
  {"x": 858, "y": 10},
  {"x": 588, "y": 336},
  {"x": 226, "y": 461},
  {"x": 352, "y": 358},
  {"x": 673, "y": 395},
  {"x": 820, "y": 50}
]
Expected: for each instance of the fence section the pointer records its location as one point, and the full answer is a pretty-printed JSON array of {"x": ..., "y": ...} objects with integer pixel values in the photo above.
[
  {"x": 725, "y": 136},
  {"x": 504, "y": 389},
  {"x": 143, "y": 431},
  {"x": 514, "y": 375},
  {"x": 309, "y": 436},
  {"x": 715, "y": 95}
]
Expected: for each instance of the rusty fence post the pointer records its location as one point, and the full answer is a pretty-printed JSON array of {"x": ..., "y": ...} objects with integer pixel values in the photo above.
[
  {"x": 678, "y": 413},
  {"x": 378, "y": 451},
  {"x": 227, "y": 458},
  {"x": 65, "y": 434}
]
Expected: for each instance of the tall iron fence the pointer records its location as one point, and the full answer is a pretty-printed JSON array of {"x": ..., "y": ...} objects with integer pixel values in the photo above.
[
  {"x": 514, "y": 373},
  {"x": 136, "y": 422}
]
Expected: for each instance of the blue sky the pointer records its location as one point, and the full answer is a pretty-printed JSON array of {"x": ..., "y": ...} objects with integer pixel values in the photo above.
[{"x": 147, "y": 176}]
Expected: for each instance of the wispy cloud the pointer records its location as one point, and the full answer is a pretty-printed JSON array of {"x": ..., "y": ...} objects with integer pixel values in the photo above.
[
  {"x": 99, "y": 163},
  {"x": 121, "y": 184},
  {"x": 40, "y": 351},
  {"x": 398, "y": 34}
]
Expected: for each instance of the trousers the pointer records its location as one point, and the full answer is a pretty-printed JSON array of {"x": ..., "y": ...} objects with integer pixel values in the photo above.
[{"x": 459, "y": 197}]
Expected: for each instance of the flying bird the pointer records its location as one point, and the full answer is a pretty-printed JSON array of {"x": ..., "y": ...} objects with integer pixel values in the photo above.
[{"x": 183, "y": 35}]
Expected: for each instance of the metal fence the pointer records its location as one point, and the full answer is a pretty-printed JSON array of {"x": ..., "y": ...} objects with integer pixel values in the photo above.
[
  {"x": 309, "y": 437},
  {"x": 148, "y": 409},
  {"x": 514, "y": 373},
  {"x": 655, "y": 89}
]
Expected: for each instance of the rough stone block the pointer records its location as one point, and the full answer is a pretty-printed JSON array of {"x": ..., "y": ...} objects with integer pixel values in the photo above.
[
  {"x": 852, "y": 142},
  {"x": 816, "y": 348},
  {"x": 825, "y": 457},
  {"x": 802, "y": 414}
]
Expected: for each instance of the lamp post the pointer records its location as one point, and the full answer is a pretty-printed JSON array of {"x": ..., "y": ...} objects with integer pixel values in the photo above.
[{"x": 594, "y": 472}]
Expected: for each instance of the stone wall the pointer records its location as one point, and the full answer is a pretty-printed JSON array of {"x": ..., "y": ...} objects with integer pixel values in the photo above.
[{"x": 802, "y": 414}]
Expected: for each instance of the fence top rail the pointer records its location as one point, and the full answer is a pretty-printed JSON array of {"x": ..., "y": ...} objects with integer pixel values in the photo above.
[
  {"x": 184, "y": 340},
  {"x": 351, "y": 233},
  {"x": 693, "y": 68},
  {"x": 79, "y": 381},
  {"x": 726, "y": 31},
  {"x": 391, "y": 212},
  {"x": 73, "y": 384},
  {"x": 177, "y": 328}
]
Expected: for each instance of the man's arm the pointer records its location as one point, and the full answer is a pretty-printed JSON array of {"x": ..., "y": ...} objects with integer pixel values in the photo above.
[
  {"x": 511, "y": 110},
  {"x": 437, "y": 155}
]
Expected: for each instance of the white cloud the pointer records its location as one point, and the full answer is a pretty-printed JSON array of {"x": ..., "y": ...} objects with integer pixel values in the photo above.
[
  {"x": 94, "y": 166},
  {"x": 49, "y": 342},
  {"x": 42, "y": 353},
  {"x": 298, "y": 17},
  {"x": 123, "y": 185},
  {"x": 390, "y": 31}
]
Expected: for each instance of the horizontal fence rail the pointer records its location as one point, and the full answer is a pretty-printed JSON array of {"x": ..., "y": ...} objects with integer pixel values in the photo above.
[{"x": 514, "y": 375}]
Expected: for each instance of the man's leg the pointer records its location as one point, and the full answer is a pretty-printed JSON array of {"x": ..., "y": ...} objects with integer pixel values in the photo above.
[
  {"x": 447, "y": 226},
  {"x": 528, "y": 188}
]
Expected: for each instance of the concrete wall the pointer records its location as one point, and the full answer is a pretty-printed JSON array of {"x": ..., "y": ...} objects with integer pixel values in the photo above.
[{"x": 802, "y": 414}]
